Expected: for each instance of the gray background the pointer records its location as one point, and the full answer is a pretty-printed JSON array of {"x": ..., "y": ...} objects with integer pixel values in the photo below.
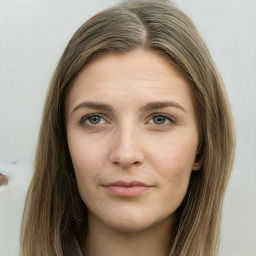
[{"x": 33, "y": 34}]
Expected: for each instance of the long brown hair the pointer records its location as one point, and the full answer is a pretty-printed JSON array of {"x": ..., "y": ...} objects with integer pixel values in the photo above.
[{"x": 54, "y": 212}]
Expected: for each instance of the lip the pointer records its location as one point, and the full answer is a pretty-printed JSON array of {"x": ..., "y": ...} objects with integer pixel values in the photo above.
[{"x": 127, "y": 189}]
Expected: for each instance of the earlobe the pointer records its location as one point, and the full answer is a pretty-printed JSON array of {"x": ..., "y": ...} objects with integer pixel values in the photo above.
[
  {"x": 197, "y": 166},
  {"x": 198, "y": 159}
]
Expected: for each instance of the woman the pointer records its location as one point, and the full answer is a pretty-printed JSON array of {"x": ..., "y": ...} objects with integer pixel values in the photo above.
[{"x": 136, "y": 143}]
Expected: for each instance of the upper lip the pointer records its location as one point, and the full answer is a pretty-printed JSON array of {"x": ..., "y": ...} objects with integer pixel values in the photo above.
[{"x": 126, "y": 184}]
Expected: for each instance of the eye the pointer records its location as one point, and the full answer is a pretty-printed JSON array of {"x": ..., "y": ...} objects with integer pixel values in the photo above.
[
  {"x": 161, "y": 120},
  {"x": 93, "y": 120}
]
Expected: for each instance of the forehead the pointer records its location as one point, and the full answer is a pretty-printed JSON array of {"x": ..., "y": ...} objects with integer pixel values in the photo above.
[
  {"x": 131, "y": 77},
  {"x": 138, "y": 64}
]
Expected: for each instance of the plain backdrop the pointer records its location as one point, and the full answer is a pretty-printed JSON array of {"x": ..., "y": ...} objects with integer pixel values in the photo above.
[{"x": 33, "y": 35}]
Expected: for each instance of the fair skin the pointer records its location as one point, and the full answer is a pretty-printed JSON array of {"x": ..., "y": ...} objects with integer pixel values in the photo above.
[{"x": 133, "y": 138}]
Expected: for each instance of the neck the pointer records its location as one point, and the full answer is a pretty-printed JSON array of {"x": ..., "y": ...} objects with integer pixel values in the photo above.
[{"x": 101, "y": 240}]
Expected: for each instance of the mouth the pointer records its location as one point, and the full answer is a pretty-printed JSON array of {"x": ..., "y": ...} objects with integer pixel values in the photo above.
[{"x": 127, "y": 189}]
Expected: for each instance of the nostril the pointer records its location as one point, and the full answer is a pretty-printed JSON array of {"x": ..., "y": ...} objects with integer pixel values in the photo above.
[
  {"x": 3, "y": 179},
  {"x": 127, "y": 164}
]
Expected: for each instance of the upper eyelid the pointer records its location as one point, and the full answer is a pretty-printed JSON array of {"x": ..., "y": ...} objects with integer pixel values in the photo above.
[
  {"x": 172, "y": 119},
  {"x": 82, "y": 120}
]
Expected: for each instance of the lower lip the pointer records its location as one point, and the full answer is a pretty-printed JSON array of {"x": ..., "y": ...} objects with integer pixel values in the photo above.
[{"x": 127, "y": 191}]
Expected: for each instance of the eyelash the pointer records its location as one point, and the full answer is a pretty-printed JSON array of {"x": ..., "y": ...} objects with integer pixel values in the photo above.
[
  {"x": 85, "y": 118},
  {"x": 166, "y": 117},
  {"x": 169, "y": 118}
]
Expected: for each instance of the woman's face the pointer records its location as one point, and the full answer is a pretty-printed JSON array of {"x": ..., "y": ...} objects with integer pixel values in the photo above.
[{"x": 132, "y": 135}]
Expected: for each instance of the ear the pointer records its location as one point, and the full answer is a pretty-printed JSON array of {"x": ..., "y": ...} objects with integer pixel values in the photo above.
[
  {"x": 197, "y": 165},
  {"x": 198, "y": 159}
]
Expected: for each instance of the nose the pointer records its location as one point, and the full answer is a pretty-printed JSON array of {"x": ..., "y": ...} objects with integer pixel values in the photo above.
[{"x": 127, "y": 149}]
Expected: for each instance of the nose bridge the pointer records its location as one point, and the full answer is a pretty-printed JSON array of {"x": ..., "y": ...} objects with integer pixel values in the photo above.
[{"x": 127, "y": 149}]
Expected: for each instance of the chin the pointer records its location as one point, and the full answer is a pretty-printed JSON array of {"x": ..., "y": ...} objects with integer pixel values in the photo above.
[
  {"x": 133, "y": 224},
  {"x": 129, "y": 226}
]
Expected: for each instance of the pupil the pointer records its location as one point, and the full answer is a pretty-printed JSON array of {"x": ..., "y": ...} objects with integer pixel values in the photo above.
[
  {"x": 159, "y": 119},
  {"x": 94, "y": 119}
]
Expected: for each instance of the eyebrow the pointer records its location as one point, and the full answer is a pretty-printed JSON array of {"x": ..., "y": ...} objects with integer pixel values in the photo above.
[
  {"x": 161, "y": 104},
  {"x": 148, "y": 107},
  {"x": 94, "y": 105}
]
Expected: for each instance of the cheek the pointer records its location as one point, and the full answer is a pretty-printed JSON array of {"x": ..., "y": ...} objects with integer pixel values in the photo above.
[
  {"x": 87, "y": 156},
  {"x": 175, "y": 168},
  {"x": 174, "y": 160},
  {"x": 85, "y": 163},
  {"x": 88, "y": 159}
]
